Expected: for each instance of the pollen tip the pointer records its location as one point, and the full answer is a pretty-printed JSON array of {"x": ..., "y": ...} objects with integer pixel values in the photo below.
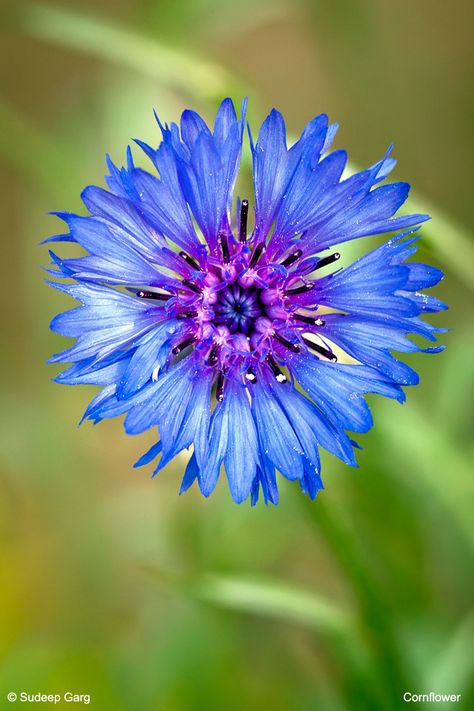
[
  {"x": 220, "y": 387},
  {"x": 279, "y": 376},
  {"x": 328, "y": 260}
]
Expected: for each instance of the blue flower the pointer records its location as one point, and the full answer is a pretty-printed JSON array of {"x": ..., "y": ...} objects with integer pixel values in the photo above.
[{"x": 247, "y": 344}]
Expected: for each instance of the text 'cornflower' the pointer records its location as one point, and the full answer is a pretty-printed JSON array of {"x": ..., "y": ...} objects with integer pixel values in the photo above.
[{"x": 229, "y": 338}]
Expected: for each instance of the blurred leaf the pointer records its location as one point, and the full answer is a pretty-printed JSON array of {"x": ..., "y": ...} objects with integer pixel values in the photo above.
[
  {"x": 261, "y": 596},
  {"x": 101, "y": 38},
  {"x": 273, "y": 599},
  {"x": 281, "y": 601},
  {"x": 453, "y": 670}
]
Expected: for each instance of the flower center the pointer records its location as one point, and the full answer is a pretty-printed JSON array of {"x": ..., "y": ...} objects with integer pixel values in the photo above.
[
  {"x": 241, "y": 309},
  {"x": 238, "y": 308}
]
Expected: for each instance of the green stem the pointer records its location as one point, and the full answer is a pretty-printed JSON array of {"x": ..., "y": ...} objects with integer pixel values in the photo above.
[{"x": 375, "y": 615}]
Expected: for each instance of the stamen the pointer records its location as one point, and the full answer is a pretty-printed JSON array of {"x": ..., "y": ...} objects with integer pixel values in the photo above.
[
  {"x": 220, "y": 387},
  {"x": 327, "y": 260},
  {"x": 257, "y": 253},
  {"x": 244, "y": 211},
  {"x": 281, "y": 378},
  {"x": 251, "y": 376},
  {"x": 213, "y": 355},
  {"x": 224, "y": 245},
  {"x": 186, "y": 314},
  {"x": 153, "y": 295},
  {"x": 184, "y": 344},
  {"x": 319, "y": 349},
  {"x": 309, "y": 319},
  {"x": 191, "y": 285},
  {"x": 299, "y": 289},
  {"x": 293, "y": 347},
  {"x": 190, "y": 261},
  {"x": 292, "y": 258}
]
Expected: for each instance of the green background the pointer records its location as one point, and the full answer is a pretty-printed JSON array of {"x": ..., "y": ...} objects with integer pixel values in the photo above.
[{"x": 109, "y": 583}]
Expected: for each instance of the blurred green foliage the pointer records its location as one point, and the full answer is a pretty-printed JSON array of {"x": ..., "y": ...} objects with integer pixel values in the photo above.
[{"x": 111, "y": 584}]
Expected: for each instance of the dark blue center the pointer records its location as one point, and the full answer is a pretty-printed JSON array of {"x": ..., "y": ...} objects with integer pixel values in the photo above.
[{"x": 238, "y": 308}]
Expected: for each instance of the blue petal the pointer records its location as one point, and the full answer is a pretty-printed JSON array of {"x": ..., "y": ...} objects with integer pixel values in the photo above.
[
  {"x": 90, "y": 372},
  {"x": 163, "y": 403},
  {"x": 275, "y": 167},
  {"x": 265, "y": 479},
  {"x": 337, "y": 390},
  {"x": 146, "y": 406},
  {"x": 151, "y": 454},
  {"x": 147, "y": 358},
  {"x": 370, "y": 342},
  {"x": 101, "y": 400},
  {"x": 424, "y": 302},
  {"x": 269, "y": 170},
  {"x": 192, "y": 126},
  {"x": 351, "y": 210},
  {"x": 312, "y": 427},
  {"x": 190, "y": 475},
  {"x": 277, "y": 438},
  {"x": 59, "y": 238},
  {"x": 371, "y": 285},
  {"x": 225, "y": 119},
  {"x": 422, "y": 276},
  {"x": 232, "y": 439},
  {"x": 199, "y": 181},
  {"x": 194, "y": 426},
  {"x": 299, "y": 416},
  {"x": 107, "y": 321},
  {"x": 307, "y": 189},
  {"x": 311, "y": 482},
  {"x": 124, "y": 214},
  {"x": 115, "y": 259},
  {"x": 163, "y": 203}
]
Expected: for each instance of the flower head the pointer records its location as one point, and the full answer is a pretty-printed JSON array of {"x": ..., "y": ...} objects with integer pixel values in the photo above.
[{"x": 248, "y": 344}]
